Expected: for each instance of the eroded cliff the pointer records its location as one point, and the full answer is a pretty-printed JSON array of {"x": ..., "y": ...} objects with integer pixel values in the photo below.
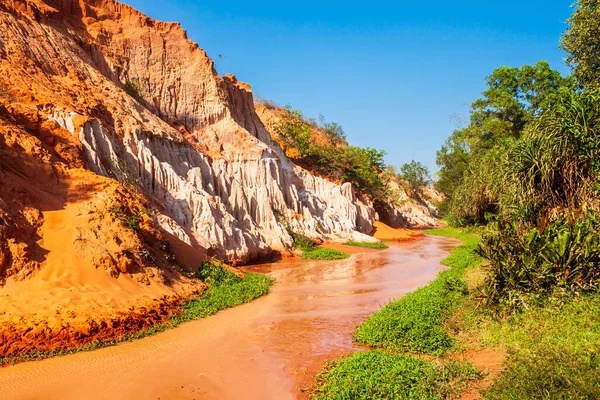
[{"x": 124, "y": 156}]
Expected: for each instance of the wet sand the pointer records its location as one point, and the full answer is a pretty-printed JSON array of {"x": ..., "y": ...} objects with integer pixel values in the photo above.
[{"x": 268, "y": 349}]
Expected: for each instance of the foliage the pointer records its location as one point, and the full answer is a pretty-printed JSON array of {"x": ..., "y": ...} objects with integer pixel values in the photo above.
[
  {"x": 527, "y": 262},
  {"x": 582, "y": 42},
  {"x": 134, "y": 88},
  {"x": 416, "y": 174},
  {"x": 556, "y": 165},
  {"x": 6, "y": 95},
  {"x": 369, "y": 245},
  {"x": 380, "y": 375},
  {"x": 333, "y": 132},
  {"x": 359, "y": 166},
  {"x": 416, "y": 321},
  {"x": 215, "y": 274},
  {"x": 553, "y": 351},
  {"x": 471, "y": 161},
  {"x": 323, "y": 254},
  {"x": 130, "y": 219},
  {"x": 301, "y": 242}
]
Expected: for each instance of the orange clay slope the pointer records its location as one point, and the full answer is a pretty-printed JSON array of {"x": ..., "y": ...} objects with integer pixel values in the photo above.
[
  {"x": 71, "y": 269},
  {"x": 385, "y": 232}
]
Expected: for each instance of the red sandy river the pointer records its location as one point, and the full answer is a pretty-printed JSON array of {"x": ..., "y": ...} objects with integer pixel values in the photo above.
[{"x": 268, "y": 349}]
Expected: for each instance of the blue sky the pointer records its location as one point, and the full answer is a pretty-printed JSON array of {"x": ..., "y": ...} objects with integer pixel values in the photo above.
[{"x": 394, "y": 74}]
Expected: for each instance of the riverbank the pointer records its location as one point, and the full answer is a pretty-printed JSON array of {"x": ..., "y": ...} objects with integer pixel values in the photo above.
[
  {"x": 438, "y": 342},
  {"x": 269, "y": 348},
  {"x": 225, "y": 289},
  {"x": 83, "y": 331},
  {"x": 400, "y": 334}
]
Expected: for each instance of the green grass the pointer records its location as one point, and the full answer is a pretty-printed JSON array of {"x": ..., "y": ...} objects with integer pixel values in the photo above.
[
  {"x": 228, "y": 290},
  {"x": 381, "y": 375},
  {"x": 416, "y": 321},
  {"x": 369, "y": 245},
  {"x": 553, "y": 350},
  {"x": 323, "y": 254}
]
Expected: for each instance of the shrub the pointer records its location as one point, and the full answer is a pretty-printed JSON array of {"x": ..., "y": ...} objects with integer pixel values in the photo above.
[
  {"x": 368, "y": 245},
  {"x": 134, "y": 88},
  {"x": 128, "y": 218},
  {"x": 380, "y": 375},
  {"x": 324, "y": 254},
  {"x": 301, "y": 242},
  {"x": 416, "y": 174},
  {"x": 216, "y": 275},
  {"x": 527, "y": 262},
  {"x": 335, "y": 160}
]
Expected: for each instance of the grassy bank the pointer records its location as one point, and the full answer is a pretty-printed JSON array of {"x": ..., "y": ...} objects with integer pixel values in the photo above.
[
  {"x": 416, "y": 321},
  {"x": 369, "y": 245},
  {"x": 226, "y": 290},
  {"x": 413, "y": 324},
  {"x": 323, "y": 254},
  {"x": 382, "y": 375},
  {"x": 553, "y": 349}
]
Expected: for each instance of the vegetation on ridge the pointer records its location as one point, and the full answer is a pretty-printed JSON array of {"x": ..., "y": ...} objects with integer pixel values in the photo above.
[{"x": 334, "y": 158}]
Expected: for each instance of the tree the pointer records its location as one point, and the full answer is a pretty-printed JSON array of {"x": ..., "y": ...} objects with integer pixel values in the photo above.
[
  {"x": 416, "y": 174},
  {"x": 333, "y": 132},
  {"x": 471, "y": 157},
  {"x": 582, "y": 42}
]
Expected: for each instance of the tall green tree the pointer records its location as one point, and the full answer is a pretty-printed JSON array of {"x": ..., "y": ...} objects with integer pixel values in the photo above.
[
  {"x": 416, "y": 174},
  {"x": 471, "y": 157},
  {"x": 582, "y": 42}
]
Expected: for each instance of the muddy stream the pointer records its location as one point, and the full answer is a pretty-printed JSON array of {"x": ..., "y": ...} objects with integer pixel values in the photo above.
[{"x": 268, "y": 349}]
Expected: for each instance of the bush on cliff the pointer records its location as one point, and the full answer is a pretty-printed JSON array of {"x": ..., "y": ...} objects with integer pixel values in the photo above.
[{"x": 335, "y": 159}]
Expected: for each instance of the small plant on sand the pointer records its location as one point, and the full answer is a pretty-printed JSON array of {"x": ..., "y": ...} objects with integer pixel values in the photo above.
[
  {"x": 369, "y": 245},
  {"x": 134, "y": 88},
  {"x": 128, "y": 218}
]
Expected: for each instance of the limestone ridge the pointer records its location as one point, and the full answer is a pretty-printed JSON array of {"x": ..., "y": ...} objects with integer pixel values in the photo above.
[{"x": 144, "y": 101}]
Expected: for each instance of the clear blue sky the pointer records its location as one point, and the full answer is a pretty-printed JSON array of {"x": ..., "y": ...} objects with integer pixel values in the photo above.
[{"x": 391, "y": 73}]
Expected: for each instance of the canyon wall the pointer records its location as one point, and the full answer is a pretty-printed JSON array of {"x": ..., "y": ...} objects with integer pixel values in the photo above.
[{"x": 147, "y": 107}]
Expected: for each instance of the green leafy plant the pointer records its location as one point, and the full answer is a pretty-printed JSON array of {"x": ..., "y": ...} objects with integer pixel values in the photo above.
[
  {"x": 416, "y": 174},
  {"x": 134, "y": 88},
  {"x": 215, "y": 274},
  {"x": 380, "y": 375},
  {"x": 324, "y": 254},
  {"x": 130, "y": 219},
  {"x": 527, "y": 263},
  {"x": 368, "y": 245},
  {"x": 336, "y": 160}
]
